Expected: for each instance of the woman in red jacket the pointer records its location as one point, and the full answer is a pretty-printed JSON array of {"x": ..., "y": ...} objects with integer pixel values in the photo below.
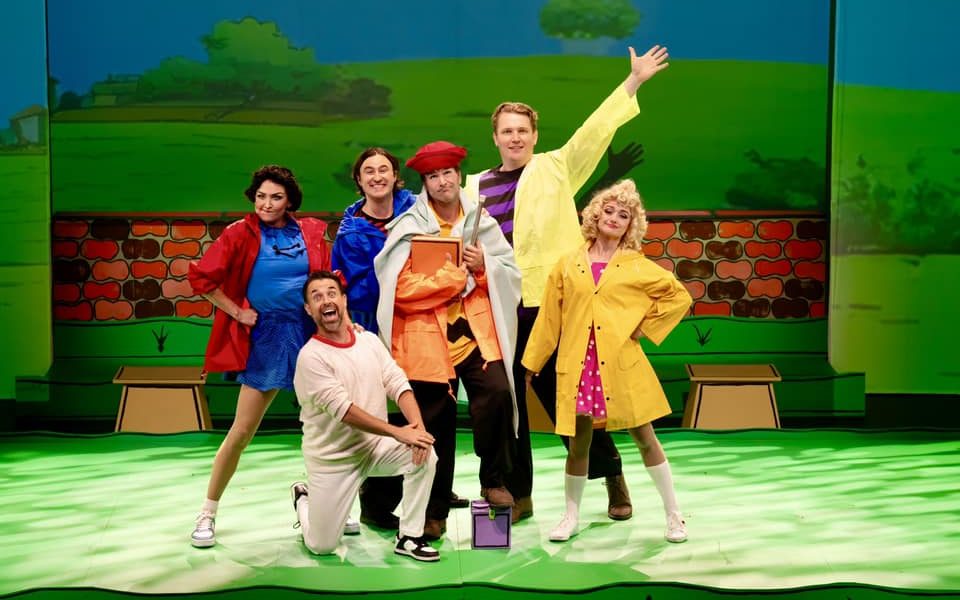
[{"x": 253, "y": 274}]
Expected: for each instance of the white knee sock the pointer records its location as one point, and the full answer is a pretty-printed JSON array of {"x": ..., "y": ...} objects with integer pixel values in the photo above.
[
  {"x": 663, "y": 479},
  {"x": 573, "y": 490},
  {"x": 210, "y": 506}
]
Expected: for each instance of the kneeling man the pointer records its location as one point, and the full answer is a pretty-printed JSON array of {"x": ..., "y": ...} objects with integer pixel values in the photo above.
[{"x": 342, "y": 381}]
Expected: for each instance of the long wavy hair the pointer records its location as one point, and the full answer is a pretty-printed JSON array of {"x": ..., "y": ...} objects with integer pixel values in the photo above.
[{"x": 625, "y": 194}]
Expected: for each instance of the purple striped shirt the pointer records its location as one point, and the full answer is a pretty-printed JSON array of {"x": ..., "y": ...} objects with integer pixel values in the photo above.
[{"x": 500, "y": 190}]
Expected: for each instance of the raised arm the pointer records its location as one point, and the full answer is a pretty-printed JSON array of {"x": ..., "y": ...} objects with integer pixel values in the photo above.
[
  {"x": 583, "y": 151},
  {"x": 644, "y": 67}
]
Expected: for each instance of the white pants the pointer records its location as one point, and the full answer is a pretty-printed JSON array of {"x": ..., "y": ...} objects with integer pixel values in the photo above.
[{"x": 332, "y": 492}]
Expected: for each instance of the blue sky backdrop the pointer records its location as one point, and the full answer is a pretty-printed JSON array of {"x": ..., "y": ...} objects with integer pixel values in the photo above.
[
  {"x": 880, "y": 42},
  {"x": 908, "y": 45},
  {"x": 92, "y": 38},
  {"x": 23, "y": 71}
]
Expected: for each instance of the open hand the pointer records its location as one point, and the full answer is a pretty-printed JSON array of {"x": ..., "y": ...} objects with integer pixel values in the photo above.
[
  {"x": 420, "y": 454},
  {"x": 622, "y": 162},
  {"x": 649, "y": 63},
  {"x": 414, "y": 436}
]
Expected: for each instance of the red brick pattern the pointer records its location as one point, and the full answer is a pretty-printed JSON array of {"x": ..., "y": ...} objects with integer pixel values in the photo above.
[
  {"x": 117, "y": 268},
  {"x": 66, "y": 249},
  {"x": 760, "y": 268}
]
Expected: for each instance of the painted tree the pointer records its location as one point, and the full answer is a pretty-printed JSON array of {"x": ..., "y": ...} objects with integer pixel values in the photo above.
[
  {"x": 909, "y": 210},
  {"x": 246, "y": 59},
  {"x": 256, "y": 59},
  {"x": 589, "y": 19},
  {"x": 253, "y": 62},
  {"x": 779, "y": 183}
]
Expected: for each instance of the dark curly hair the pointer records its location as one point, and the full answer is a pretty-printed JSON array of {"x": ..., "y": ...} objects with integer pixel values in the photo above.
[{"x": 281, "y": 176}]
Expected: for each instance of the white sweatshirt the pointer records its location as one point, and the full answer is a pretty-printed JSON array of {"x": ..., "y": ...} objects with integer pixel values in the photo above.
[{"x": 329, "y": 378}]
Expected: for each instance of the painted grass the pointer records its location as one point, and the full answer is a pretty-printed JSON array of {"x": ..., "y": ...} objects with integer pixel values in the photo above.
[
  {"x": 698, "y": 119},
  {"x": 769, "y": 513},
  {"x": 894, "y": 318},
  {"x": 888, "y": 128},
  {"x": 25, "y": 211},
  {"x": 25, "y": 314},
  {"x": 188, "y": 337},
  {"x": 88, "y": 354},
  {"x": 25, "y": 319}
]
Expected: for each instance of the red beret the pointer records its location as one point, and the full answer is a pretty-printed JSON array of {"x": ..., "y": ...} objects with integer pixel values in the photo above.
[{"x": 435, "y": 156}]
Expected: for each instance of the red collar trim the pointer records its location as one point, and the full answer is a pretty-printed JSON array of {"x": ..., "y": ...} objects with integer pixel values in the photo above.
[{"x": 335, "y": 344}]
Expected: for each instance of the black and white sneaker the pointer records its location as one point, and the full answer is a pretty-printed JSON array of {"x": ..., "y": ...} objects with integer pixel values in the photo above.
[
  {"x": 416, "y": 548},
  {"x": 298, "y": 490}
]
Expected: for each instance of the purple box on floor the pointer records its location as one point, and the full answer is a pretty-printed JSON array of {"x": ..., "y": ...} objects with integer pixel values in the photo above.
[{"x": 491, "y": 526}]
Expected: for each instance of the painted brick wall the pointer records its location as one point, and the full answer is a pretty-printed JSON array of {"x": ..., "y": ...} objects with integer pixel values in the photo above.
[
  {"x": 763, "y": 268},
  {"x": 120, "y": 268}
]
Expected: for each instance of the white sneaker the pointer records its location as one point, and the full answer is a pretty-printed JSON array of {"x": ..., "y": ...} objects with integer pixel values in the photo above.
[
  {"x": 203, "y": 535},
  {"x": 565, "y": 529},
  {"x": 676, "y": 528},
  {"x": 352, "y": 527}
]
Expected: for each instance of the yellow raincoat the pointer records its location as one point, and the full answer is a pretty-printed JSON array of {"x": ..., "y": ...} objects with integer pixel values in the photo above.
[
  {"x": 545, "y": 223},
  {"x": 632, "y": 291}
]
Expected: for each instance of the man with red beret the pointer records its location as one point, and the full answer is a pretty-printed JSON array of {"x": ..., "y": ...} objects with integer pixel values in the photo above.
[
  {"x": 458, "y": 324},
  {"x": 532, "y": 198}
]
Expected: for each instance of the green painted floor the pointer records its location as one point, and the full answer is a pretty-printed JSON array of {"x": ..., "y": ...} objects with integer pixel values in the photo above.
[{"x": 766, "y": 510}]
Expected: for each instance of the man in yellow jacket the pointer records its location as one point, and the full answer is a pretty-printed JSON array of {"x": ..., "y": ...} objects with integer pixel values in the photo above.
[{"x": 532, "y": 198}]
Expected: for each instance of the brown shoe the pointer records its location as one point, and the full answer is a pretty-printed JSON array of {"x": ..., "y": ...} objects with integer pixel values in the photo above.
[
  {"x": 434, "y": 528},
  {"x": 498, "y": 497},
  {"x": 618, "y": 496},
  {"x": 522, "y": 509},
  {"x": 458, "y": 501}
]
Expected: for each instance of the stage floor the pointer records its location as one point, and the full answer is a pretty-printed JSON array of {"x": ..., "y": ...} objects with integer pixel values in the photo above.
[{"x": 766, "y": 510}]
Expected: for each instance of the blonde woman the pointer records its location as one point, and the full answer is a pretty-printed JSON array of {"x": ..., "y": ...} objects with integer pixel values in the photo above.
[{"x": 595, "y": 297}]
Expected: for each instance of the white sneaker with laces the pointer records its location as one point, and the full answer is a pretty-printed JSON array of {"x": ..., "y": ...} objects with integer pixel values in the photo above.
[
  {"x": 565, "y": 529},
  {"x": 203, "y": 535},
  {"x": 676, "y": 528},
  {"x": 351, "y": 527}
]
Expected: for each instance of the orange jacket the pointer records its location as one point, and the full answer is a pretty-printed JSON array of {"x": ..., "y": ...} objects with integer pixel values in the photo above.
[{"x": 419, "y": 337}]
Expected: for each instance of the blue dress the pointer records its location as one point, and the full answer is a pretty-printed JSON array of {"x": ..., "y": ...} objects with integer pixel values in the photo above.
[{"x": 276, "y": 292}]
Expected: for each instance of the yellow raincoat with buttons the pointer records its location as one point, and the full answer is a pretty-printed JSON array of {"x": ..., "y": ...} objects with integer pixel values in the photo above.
[{"x": 632, "y": 291}]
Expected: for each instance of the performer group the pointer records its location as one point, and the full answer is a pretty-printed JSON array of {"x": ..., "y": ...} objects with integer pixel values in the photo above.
[{"x": 536, "y": 297}]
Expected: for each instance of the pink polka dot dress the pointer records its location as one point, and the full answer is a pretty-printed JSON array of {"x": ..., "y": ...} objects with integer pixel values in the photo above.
[{"x": 590, "y": 398}]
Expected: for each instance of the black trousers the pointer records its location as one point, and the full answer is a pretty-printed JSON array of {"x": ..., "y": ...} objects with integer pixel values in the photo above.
[
  {"x": 604, "y": 456},
  {"x": 491, "y": 416}
]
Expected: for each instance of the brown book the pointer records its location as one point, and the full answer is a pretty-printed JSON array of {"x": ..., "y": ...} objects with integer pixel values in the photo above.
[{"x": 429, "y": 252}]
